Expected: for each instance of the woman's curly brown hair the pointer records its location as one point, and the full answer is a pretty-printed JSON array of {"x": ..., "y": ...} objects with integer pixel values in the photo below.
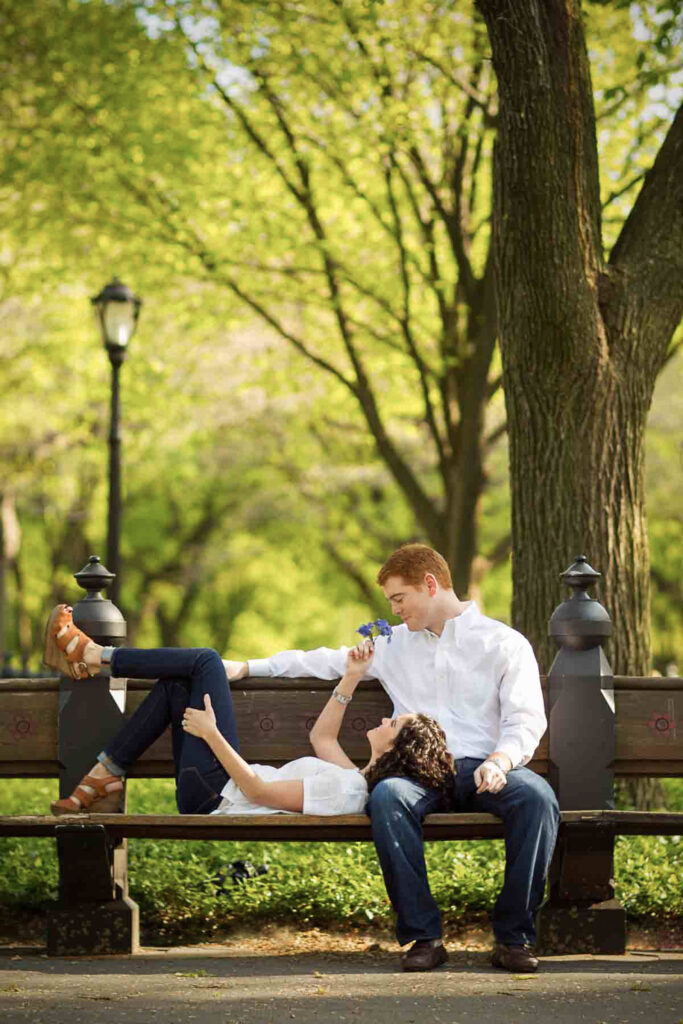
[{"x": 418, "y": 752}]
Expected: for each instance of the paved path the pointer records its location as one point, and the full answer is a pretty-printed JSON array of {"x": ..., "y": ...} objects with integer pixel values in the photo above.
[{"x": 214, "y": 984}]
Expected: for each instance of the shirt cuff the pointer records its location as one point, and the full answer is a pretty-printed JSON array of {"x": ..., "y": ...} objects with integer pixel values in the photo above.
[
  {"x": 259, "y": 667},
  {"x": 512, "y": 750}
]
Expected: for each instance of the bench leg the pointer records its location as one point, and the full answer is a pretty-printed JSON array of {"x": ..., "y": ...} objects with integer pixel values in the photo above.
[
  {"x": 581, "y": 914},
  {"x": 94, "y": 913}
]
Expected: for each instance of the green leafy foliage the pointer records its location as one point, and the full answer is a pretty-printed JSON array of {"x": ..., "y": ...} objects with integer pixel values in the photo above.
[
  {"x": 182, "y": 896},
  {"x": 257, "y": 504}
]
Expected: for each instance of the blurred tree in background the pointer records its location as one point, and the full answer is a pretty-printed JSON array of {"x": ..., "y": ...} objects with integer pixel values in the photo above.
[{"x": 301, "y": 192}]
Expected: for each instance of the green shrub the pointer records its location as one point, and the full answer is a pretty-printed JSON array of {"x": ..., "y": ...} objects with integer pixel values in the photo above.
[{"x": 181, "y": 895}]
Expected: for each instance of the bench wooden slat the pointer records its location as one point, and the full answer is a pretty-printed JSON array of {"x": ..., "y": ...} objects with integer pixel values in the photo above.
[
  {"x": 274, "y": 717},
  {"x": 311, "y": 828}
]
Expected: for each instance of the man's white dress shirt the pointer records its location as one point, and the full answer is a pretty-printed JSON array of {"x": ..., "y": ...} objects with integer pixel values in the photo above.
[{"x": 479, "y": 680}]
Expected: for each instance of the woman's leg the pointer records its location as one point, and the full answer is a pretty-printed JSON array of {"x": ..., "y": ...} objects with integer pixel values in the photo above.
[{"x": 185, "y": 675}]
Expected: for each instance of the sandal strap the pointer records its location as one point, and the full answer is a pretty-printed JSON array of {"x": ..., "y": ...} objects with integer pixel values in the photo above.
[
  {"x": 98, "y": 785},
  {"x": 72, "y": 633},
  {"x": 64, "y": 639}
]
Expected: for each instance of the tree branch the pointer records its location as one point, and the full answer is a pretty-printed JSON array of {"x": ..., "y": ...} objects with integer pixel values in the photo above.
[
  {"x": 494, "y": 436},
  {"x": 405, "y": 320},
  {"x": 645, "y": 271},
  {"x": 480, "y": 99},
  {"x": 451, "y": 222},
  {"x": 617, "y": 193}
]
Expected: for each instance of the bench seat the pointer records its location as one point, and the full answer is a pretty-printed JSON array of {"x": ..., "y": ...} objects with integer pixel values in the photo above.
[{"x": 312, "y": 828}]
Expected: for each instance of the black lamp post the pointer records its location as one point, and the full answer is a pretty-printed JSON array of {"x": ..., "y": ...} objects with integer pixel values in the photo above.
[{"x": 117, "y": 311}]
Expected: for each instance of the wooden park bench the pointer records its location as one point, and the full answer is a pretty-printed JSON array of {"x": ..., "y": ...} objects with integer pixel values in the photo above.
[{"x": 599, "y": 727}]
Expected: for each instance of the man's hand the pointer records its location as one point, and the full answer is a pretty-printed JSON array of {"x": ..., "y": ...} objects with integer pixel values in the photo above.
[
  {"x": 236, "y": 669},
  {"x": 489, "y": 778},
  {"x": 200, "y": 723},
  {"x": 358, "y": 660}
]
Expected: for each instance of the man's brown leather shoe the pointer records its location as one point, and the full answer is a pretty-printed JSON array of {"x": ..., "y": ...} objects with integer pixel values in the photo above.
[
  {"x": 519, "y": 959},
  {"x": 423, "y": 955}
]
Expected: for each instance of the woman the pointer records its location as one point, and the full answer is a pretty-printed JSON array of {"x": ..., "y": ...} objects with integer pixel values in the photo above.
[{"x": 193, "y": 696}]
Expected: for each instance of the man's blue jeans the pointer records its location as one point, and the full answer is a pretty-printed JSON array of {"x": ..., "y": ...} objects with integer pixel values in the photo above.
[
  {"x": 184, "y": 676},
  {"x": 530, "y": 815}
]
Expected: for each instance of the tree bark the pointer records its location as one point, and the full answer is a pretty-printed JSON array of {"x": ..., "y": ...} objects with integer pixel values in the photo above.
[{"x": 582, "y": 341}]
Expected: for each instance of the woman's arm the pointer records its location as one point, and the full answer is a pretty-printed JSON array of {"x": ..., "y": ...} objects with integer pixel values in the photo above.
[
  {"x": 323, "y": 735},
  {"x": 281, "y": 796}
]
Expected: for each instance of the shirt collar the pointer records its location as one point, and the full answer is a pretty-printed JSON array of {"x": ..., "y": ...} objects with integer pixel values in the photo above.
[
  {"x": 468, "y": 617},
  {"x": 459, "y": 623}
]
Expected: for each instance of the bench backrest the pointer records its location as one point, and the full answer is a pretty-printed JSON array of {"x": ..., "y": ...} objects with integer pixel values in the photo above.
[{"x": 274, "y": 717}]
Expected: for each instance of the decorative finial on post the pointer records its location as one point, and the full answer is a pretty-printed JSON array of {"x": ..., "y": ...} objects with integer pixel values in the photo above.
[
  {"x": 580, "y": 573},
  {"x": 94, "y": 614},
  {"x": 580, "y": 622}
]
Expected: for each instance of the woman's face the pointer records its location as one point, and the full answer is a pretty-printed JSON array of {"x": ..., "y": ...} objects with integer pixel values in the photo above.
[{"x": 383, "y": 735}]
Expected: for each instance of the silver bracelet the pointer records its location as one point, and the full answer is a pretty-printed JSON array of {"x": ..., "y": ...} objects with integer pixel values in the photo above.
[
  {"x": 341, "y": 697},
  {"x": 498, "y": 763}
]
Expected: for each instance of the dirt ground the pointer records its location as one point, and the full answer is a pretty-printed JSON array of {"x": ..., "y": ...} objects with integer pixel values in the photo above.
[{"x": 27, "y": 930}]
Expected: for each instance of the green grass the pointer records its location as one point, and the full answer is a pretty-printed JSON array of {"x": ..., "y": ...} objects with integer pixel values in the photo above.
[{"x": 177, "y": 883}]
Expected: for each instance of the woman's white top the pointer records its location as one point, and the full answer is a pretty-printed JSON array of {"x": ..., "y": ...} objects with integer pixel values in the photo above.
[{"x": 328, "y": 788}]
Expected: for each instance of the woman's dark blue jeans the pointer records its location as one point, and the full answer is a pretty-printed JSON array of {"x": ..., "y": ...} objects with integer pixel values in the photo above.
[
  {"x": 530, "y": 815},
  {"x": 183, "y": 677}
]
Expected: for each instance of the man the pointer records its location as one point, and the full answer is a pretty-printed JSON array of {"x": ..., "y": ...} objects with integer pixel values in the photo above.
[{"x": 479, "y": 679}]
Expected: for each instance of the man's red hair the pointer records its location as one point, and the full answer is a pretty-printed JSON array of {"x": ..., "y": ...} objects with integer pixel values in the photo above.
[{"x": 412, "y": 561}]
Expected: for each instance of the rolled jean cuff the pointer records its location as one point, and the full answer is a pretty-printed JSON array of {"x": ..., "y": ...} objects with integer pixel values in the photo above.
[
  {"x": 110, "y": 765},
  {"x": 106, "y": 655}
]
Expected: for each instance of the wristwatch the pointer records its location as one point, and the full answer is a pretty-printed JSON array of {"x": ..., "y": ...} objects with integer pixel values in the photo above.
[
  {"x": 499, "y": 764},
  {"x": 341, "y": 697}
]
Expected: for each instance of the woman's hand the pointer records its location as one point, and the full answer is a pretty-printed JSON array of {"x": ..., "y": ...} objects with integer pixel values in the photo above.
[
  {"x": 358, "y": 660},
  {"x": 200, "y": 723}
]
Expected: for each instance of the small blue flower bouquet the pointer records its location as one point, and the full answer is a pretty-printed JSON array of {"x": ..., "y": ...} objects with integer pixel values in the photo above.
[{"x": 380, "y": 627}]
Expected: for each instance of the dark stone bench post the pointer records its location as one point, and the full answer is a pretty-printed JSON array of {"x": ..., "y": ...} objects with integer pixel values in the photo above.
[
  {"x": 581, "y": 914},
  {"x": 94, "y": 913}
]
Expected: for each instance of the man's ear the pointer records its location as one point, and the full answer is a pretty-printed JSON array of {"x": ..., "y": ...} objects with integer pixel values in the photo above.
[{"x": 431, "y": 583}]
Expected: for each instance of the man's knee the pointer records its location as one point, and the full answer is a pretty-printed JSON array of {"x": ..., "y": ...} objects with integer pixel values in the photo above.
[
  {"x": 387, "y": 793},
  {"x": 539, "y": 800},
  {"x": 396, "y": 797}
]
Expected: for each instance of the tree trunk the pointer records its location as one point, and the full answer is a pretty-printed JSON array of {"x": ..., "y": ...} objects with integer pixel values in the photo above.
[
  {"x": 464, "y": 492},
  {"x": 582, "y": 341},
  {"x": 10, "y": 543}
]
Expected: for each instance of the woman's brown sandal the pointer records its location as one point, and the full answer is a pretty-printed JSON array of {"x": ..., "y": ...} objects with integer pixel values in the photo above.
[
  {"x": 65, "y": 644},
  {"x": 97, "y": 799}
]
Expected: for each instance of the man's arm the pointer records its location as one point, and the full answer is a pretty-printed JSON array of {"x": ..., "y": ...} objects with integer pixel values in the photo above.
[
  {"x": 522, "y": 711},
  {"x": 321, "y": 663},
  {"x": 522, "y": 719}
]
